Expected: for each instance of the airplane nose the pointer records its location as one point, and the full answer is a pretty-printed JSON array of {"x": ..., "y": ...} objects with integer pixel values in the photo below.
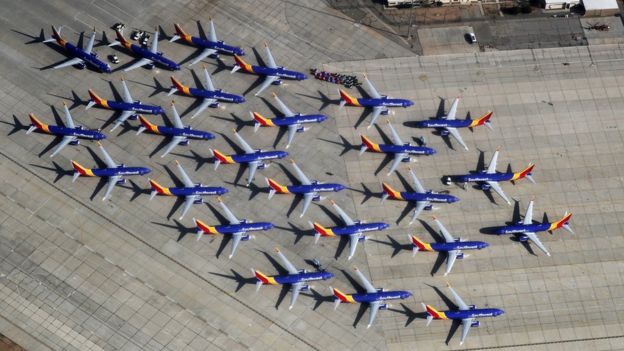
[
  {"x": 268, "y": 226},
  {"x": 340, "y": 187},
  {"x": 240, "y": 100},
  {"x": 454, "y": 199},
  {"x": 328, "y": 275},
  {"x": 499, "y": 312},
  {"x": 145, "y": 171},
  {"x": 432, "y": 151},
  {"x": 407, "y": 294}
]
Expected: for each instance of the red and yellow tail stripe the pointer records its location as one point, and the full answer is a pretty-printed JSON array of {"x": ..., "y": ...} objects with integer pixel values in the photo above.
[
  {"x": 242, "y": 64},
  {"x": 391, "y": 192},
  {"x": 560, "y": 223},
  {"x": 182, "y": 34},
  {"x": 481, "y": 120},
  {"x": 87, "y": 172},
  {"x": 181, "y": 87},
  {"x": 422, "y": 246},
  {"x": 435, "y": 313},
  {"x": 280, "y": 189},
  {"x": 322, "y": 230},
  {"x": 522, "y": 174},
  {"x": 343, "y": 297},
  {"x": 149, "y": 126},
  {"x": 369, "y": 144},
  {"x": 265, "y": 279},
  {"x": 350, "y": 100},
  {"x": 37, "y": 123},
  {"x": 98, "y": 100},
  {"x": 62, "y": 42},
  {"x": 159, "y": 188},
  {"x": 123, "y": 40},
  {"x": 205, "y": 228},
  {"x": 266, "y": 122},
  {"x": 222, "y": 157}
]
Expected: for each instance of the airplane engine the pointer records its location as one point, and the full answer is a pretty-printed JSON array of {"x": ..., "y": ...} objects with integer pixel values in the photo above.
[
  {"x": 133, "y": 117},
  {"x": 214, "y": 105},
  {"x": 444, "y": 132},
  {"x": 460, "y": 256},
  {"x": 305, "y": 288},
  {"x": 316, "y": 198},
  {"x": 383, "y": 306},
  {"x": 300, "y": 130},
  {"x": 381, "y": 290},
  {"x": 472, "y": 307},
  {"x": 74, "y": 142},
  {"x": 363, "y": 238},
  {"x": 246, "y": 237},
  {"x": 80, "y": 65},
  {"x": 149, "y": 66},
  {"x": 159, "y": 53},
  {"x": 475, "y": 324},
  {"x": 184, "y": 142},
  {"x": 485, "y": 187},
  {"x": 523, "y": 238},
  {"x": 428, "y": 207},
  {"x": 121, "y": 181},
  {"x": 277, "y": 82},
  {"x": 406, "y": 159},
  {"x": 199, "y": 201},
  {"x": 262, "y": 165}
]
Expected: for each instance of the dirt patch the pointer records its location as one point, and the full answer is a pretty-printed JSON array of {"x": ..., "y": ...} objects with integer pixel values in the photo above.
[{"x": 7, "y": 344}]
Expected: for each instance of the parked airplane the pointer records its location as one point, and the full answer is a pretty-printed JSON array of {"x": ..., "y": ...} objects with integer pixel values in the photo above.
[
  {"x": 271, "y": 72},
  {"x": 526, "y": 229},
  {"x": 466, "y": 314},
  {"x": 210, "y": 46},
  {"x": 179, "y": 133},
  {"x": 78, "y": 56},
  {"x": 192, "y": 192},
  {"x": 354, "y": 229},
  {"x": 114, "y": 172},
  {"x": 308, "y": 189},
  {"x": 293, "y": 121},
  {"x": 398, "y": 149},
  {"x": 421, "y": 197},
  {"x": 253, "y": 158},
  {"x": 448, "y": 124},
  {"x": 68, "y": 134},
  {"x": 129, "y": 107},
  {"x": 376, "y": 101},
  {"x": 374, "y": 297},
  {"x": 148, "y": 57},
  {"x": 296, "y": 278},
  {"x": 210, "y": 96},
  {"x": 238, "y": 229},
  {"x": 490, "y": 178},
  {"x": 453, "y": 247}
]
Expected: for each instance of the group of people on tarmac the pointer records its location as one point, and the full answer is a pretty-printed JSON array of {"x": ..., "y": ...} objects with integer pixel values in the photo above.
[{"x": 336, "y": 78}]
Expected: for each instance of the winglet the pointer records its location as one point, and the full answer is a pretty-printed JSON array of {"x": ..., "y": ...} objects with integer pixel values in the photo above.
[
  {"x": 498, "y": 148},
  {"x": 277, "y": 250}
]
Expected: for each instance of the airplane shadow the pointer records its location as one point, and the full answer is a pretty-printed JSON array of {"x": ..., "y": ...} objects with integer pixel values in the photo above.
[
  {"x": 182, "y": 230},
  {"x": 409, "y": 313},
  {"x": 396, "y": 246},
  {"x": 60, "y": 171},
  {"x": 239, "y": 279},
  {"x": 346, "y": 145}
]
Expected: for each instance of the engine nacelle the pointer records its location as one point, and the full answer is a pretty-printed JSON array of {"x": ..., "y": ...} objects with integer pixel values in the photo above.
[
  {"x": 460, "y": 256},
  {"x": 243, "y": 221},
  {"x": 381, "y": 290},
  {"x": 444, "y": 132},
  {"x": 305, "y": 288},
  {"x": 385, "y": 112},
  {"x": 246, "y": 237},
  {"x": 214, "y": 105},
  {"x": 383, "y": 306},
  {"x": 80, "y": 65},
  {"x": 74, "y": 142},
  {"x": 475, "y": 324},
  {"x": 133, "y": 117},
  {"x": 472, "y": 307},
  {"x": 316, "y": 198},
  {"x": 184, "y": 142},
  {"x": 121, "y": 181},
  {"x": 277, "y": 82},
  {"x": 406, "y": 159},
  {"x": 198, "y": 201},
  {"x": 428, "y": 207},
  {"x": 149, "y": 66},
  {"x": 300, "y": 130},
  {"x": 485, "y": 187},
  {"x": 262, "y": 166},
  {"x": 523, "y": 238},
  {"x": 362, "y": 238}
]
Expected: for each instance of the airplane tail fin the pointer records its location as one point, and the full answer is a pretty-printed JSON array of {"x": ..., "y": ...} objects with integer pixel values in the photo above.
[
  {"x": 526, "y": 173},
  {"x": 340, "y": 297},
  {"x": 260, "y": 121},
  {"x": 261, "y": 279},
  {"x": 220, "y": 158},
  {"x": 203, "y": 228},
  {"x": 429, "y": 315},
  {"x": 56, "y": 35},
  {"x": 276, "y": 187},
  {"x": 418, "y": 245},
  {"x": 347, "y": 99},
  {"x": 389, "y": 192},
  {"x": 158, "y": 189},
  {"x": 146, "y": 125},
  {"x": 483, "y": 120},
  {"x": 367, "y": 144},
  {"x": 120, "y": 39},
  {"x": 95, "y": 100},
  {"x": 80, "y": 171},
  {"x": 432, "y": 313},
  {"x": 562, "y": 223},
  {"x": 177, "y": 86},
  {"x": 240, "y": 64},
  {"x": 36, "y": 124},
  {"x": 321, "y": 231},
  {"x": 180, "y": 33}
]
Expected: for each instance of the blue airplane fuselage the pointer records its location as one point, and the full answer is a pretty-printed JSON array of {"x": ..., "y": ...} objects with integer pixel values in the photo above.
[
  {"x": 218, "y": 45},
  {"x": 459, "y": 245},
  {"x": 78, "y": 132},
  {"x": 243, "y": 227},
  {"x": 523, "y": 228},
  {"x": 216, "y": 94},
  {"x": 156, "y": 57},
  {"x": 298, "y": 119},
  {"x": 278, "y": 71},
  {"x": 428, "y": 196},
  {"x": 444, "y": 123},
  {"x": 474, "y": 313},
  {"x": 408, "y": 149},
  {"x": 259, "y": 156},
  {"x": 384, "y": 101},
  {"x": 315, "y": 188},
  {"x": 197, "y": 190},
  {"x": 187, "y": 132},
  {"x": 484, "y": 177},
  {"x": 119, "y": 171},
  {"x": 88, "y": 58},
  {"x": 381, "y": 296},
  {"x": 134, "y": 106},
  {"x": 302, "y": 277},
  {"x": 359, "y": 228}
]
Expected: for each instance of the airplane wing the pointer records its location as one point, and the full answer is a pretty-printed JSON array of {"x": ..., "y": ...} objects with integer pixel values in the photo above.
[
  {"x": 208, "y": 80},
  {"x": 458, "y": 300},
  {"x": 447, "y": 236},
  {"x": 354, "y": 239},
  {"x": 307, "y": 200},
  {"x": 345, "y": 217},
  {"x": 466, "y": 324},
  {"x": 69, "y": 122},
  {"x": 282, "y": 106},
  {"x": 533, "y": 237},
  {"x": 371, "y": 89},
  {"x": 420, "y": 206},
  {"x": 126, "y": 93},
  {"x": 236, "y": 239},
  {"x": 110, "y": 185},
  {"x": 492, "y": 166},
  {"x": 270, "y": 59},
  {"x": 497, "y": 188},
  {"x": 396, "y": 139},
  {"x": 188, "y": 202},
  {"x": 453, "y": 110},
  {"x": 66, "y": 140},
  {"x": 365, "y": 283},
  {"x": 89, "y": 47},
  {"x": 204, "y": 104},
  {"x": 292, "y": 130},
  {"x": 265, "y": 84},
  {"x": 185, "y": 178},
  {"x": 455, "y": 133},
  {"x": 228, "y": 214},
  {"x": 286, "y": 263},
  {"x": 375, "y": 114},
  {"x": 419, "y": 188},
  {"x": 213, "y": 32},
  {"x": 205, "y": 53},
  {"x": 140, "y": 63},
  {"x": 253, "y": 167},
  {"x": 528, "y": 216},
  {"x": 395, "y": 163},
  {"x": 173, "y": 143},
  {"x": 154, "y": 47},
  {"x": 374, "y": 307},
  {"x": 107, "y": 159},
  {"x": 296, "y": 288},
  {"x": 450, "y": 260},
  {"x": 69, "y": 62},
  {"x": 243, "y": 143},
  {"x": 177, "y": 121},
  {"x": 122, "y": 118},
  {"x": 300, "y": 175}
]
